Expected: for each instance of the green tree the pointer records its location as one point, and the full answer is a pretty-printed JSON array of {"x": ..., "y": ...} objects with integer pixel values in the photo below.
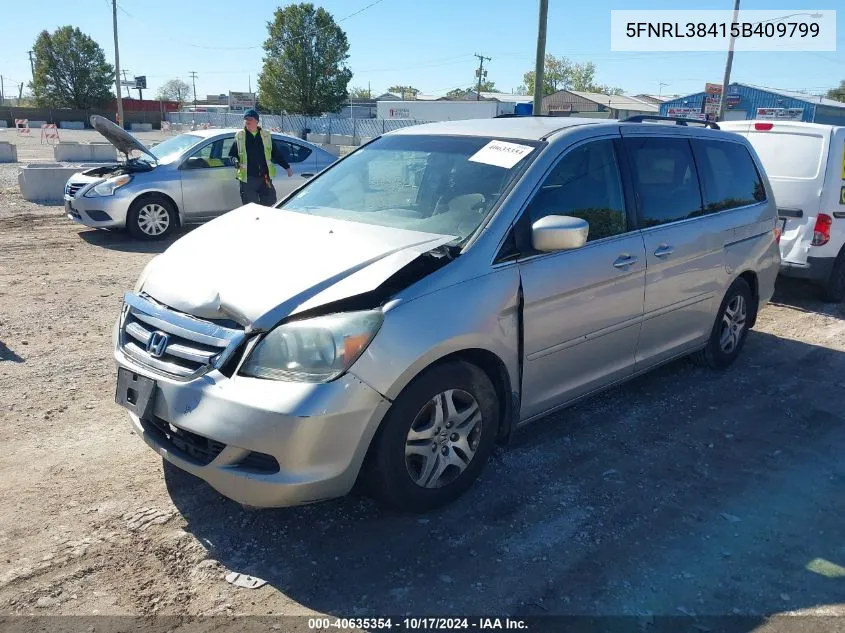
[
  {"x": 174, "y": 90},
  {"x": 358, "y": 92},
  {"x": 560, "y": 73},
  {"x": 70, "y": 70},
  {"x": 304, "y": 63},
  {"x": 837, "y": 93},
  {"x": 406, "y": 92}
]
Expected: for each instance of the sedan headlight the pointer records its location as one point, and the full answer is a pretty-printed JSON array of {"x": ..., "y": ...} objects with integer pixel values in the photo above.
[
  {"x": 313, "y": 350},
  {"x": 108, "y": 187}
]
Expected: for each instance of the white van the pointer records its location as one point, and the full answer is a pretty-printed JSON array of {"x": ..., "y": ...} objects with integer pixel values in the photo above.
[{"x": 805, "y": 163}]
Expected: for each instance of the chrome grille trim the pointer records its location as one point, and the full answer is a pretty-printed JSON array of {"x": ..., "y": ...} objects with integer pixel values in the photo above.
[
  {"x": 194, "y": 347},
  {"x": 72, "y": 188}
]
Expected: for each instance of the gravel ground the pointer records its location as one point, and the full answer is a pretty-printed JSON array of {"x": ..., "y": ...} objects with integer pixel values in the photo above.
[{"x": 685, "y": 492}]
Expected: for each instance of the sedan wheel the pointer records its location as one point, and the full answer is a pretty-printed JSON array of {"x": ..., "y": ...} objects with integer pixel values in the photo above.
[
  {"x": 443, "y": 438},
  {"x": 153, "y": 219}
]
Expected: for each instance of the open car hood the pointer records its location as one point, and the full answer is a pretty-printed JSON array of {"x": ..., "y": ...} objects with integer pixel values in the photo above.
[
  {"x": 120, "y": 138},
  {"x": 257, "y": 265}
]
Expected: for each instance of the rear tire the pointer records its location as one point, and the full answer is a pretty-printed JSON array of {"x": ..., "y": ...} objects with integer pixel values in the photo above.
[
  {"x": 833, "y": 291},
  {"x": 730, "y": 329},
  {"x": 151, "y": 217},
  {"x": 435, "y": 439}
]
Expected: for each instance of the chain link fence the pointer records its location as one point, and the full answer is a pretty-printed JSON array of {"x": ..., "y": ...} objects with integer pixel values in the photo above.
[{"x": 293, "y": 124}]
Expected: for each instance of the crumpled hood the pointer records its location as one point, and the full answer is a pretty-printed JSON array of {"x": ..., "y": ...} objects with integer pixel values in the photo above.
[{"x": 258, "y": 259}]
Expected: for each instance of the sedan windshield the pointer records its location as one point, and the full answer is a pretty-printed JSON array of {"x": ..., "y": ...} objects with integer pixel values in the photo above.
[
  {"x": 172, "y": 147},
  {"x": 436, "y": 184}
]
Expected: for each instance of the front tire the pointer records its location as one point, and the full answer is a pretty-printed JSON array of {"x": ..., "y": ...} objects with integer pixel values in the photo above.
[
  {"x": 151, "y": 217},
  {"x": 730, "y": 329},
  {"x": 436, "y": 438}
]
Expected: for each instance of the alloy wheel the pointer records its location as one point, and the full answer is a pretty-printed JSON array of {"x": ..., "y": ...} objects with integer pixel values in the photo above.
[{"x": 443, "y": 438}]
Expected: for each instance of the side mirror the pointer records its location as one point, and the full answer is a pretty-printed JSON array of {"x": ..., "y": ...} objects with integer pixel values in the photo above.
[
  {"x": 559, "y": 233},
  {"x": 194, "y": 162}
]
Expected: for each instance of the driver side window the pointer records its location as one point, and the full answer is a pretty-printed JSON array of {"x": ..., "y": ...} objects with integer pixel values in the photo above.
[
  {"x": 585, "y": 184},
  {"x": 212, "y": 155}
]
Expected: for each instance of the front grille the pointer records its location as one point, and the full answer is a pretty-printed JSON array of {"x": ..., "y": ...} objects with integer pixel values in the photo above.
[
  {"x": 72, "y": 188},
  {"x": 171, "y": 342},
  {"x": 197, "y": 448},
  {"x": 202, "y": 450}
]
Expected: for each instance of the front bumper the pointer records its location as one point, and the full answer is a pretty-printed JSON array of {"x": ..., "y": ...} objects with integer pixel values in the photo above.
[
  {"x": 817, "y": 269},
  {"x": 318, "y": 433},
  {"x": 105, "y": 212}
]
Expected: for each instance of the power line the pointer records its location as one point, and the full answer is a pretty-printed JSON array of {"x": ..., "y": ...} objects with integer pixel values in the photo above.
[{"x": 283, "y": 42}]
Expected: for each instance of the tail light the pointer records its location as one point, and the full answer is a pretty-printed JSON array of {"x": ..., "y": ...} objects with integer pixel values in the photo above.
[
  {"x": 821, "y": 232},
  {"x": 778, "y": 233},
  {"x": 763, "y": 127}
]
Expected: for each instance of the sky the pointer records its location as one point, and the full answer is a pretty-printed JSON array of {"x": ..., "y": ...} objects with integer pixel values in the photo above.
[{"x": 429, "y": 44}]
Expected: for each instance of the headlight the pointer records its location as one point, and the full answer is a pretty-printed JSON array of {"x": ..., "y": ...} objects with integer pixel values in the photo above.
[
  {"x": 313, "y": 350},
  {"x": 108, "y": 187}
]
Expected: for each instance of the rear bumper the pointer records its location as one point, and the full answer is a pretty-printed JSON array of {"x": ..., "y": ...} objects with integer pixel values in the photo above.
[{"x": 816, "y": 269}]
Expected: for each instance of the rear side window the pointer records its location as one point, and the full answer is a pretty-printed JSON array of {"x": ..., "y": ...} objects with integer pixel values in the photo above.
[
  {"x": 789, "y": 155},
  {"x": 665, "y": 179},
  {"x": 728, "y": 175},
  {"x": 292, "y": 152}
]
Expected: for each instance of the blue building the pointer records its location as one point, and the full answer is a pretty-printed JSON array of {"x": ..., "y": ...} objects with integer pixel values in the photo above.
[{"x": 745, "y": 102}]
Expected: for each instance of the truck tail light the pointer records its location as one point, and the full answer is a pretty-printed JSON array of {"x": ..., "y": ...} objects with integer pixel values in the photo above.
[
  {"x": 763, "y": 127},
  {"x": 821, "y": 232}
]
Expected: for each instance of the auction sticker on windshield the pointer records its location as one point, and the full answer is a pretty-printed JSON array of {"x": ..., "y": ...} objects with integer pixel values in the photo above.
[{"x": 501, "y": 154}]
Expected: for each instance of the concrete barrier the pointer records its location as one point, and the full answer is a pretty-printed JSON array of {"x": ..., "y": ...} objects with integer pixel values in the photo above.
[
  {"x": 72, "y": 125},
  {"x": 3, "y": 123},
  {"x": 331, "y": 148},
  {"x": 360, "y": 140},
  {"x": 318, "y": 138},
  {"x": 141, "y": 127},
  {"x": 34, "y": 124},
  {"x": 342, "y": 139},
  {"x": 8, "y": 152},
  {"x": 88, "y": 152},
  {"x": 45, "y": 182}
]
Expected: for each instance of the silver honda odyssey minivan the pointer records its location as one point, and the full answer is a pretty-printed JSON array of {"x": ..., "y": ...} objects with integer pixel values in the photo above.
[{"x": 407, "y": 309}]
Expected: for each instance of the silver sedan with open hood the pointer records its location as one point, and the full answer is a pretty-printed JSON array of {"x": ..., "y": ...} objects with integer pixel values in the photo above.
[
  {"x": 186, "y": 179},
  {"x": 409, "y": 307}
]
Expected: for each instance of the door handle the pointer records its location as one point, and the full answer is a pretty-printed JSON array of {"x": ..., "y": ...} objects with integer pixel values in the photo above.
[
  {"x": 623, "y": 261},
  {"x": 308, "y": 175},
  {"x": 664, "y": 250}
]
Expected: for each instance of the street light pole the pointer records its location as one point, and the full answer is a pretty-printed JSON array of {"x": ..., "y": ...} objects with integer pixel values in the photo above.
[
  {"x": 122, "y": 123},
  {"x": 723, "y": 99},
  {"x": 541, "y": 57}
]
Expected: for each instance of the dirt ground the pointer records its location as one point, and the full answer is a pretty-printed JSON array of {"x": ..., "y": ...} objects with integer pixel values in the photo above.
[{"x": 685, "y": 492}]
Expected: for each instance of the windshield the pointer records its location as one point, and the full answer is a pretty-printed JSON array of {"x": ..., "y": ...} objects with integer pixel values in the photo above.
[
  {"x": 436, "y": 184},
  {"x": 172, "y": 147}
]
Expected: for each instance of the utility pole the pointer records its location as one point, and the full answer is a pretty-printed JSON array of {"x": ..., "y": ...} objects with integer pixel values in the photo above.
[
  {"x": 128, "y": 96},
  {"x": 194, "y": 79},
  {"x": 121, "y": 123},
  {"x": 660, "y": 90},
  {"x": 541, "y": 57},
  {"x": 480, "y": 72},
  {"x": 723, "y": 99},
  {"x": 2, "y": 91},
  {"x": 31, "y": 65},
  {"x": 20, "y": 94}
]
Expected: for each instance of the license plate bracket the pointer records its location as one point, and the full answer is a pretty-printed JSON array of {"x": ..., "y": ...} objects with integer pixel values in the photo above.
[{"x": 135, "y": 392}]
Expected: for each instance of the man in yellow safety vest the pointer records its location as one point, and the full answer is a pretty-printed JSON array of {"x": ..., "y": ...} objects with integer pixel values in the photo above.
[{"x": 256, "y": 153}]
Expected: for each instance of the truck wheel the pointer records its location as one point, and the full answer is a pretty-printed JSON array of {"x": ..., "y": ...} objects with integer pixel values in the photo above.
[
  {"x": 435, "y": 440},
  {"x": 834, "y": 289},
  {"x": 151, "y": 218},
  {"x": 730, "y": 329}
]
